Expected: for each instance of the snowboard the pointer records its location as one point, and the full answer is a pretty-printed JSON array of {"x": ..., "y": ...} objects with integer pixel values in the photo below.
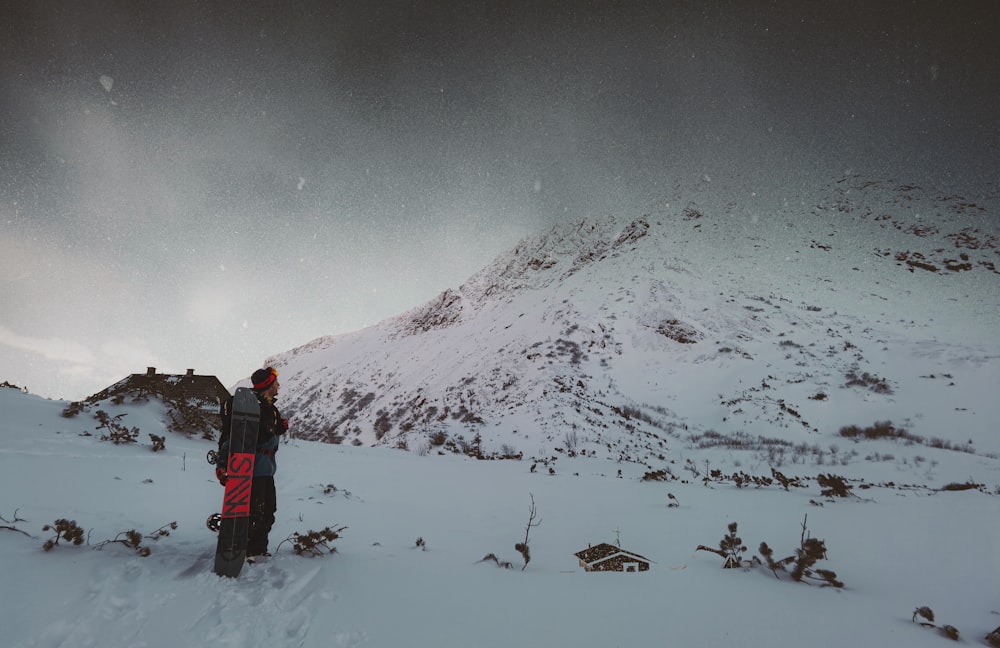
[{"x": 231, "y": 551}]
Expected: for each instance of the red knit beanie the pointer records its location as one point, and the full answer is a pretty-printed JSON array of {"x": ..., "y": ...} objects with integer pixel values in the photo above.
[{"x": 263, "y": 378}]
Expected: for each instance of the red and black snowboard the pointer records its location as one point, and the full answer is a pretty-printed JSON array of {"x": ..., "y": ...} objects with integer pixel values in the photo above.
[{"x": 231, "y": 552}]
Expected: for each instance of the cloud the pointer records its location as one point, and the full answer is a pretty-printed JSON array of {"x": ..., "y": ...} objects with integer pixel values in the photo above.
[
  {"x": 207, "y": 305},
  {"x": 52, "y": 348},
  {"x": 73, "y": 370},
  {"x": 125, "y": 356}
]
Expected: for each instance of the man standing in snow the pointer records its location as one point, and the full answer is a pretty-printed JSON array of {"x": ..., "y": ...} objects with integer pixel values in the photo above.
[{"x": 263, "y": 500}]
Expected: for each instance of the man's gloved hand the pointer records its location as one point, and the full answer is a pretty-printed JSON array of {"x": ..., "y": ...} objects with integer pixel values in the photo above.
[
  {"x": 284, "y": 424},
  {"x": 220, "y": 474}
]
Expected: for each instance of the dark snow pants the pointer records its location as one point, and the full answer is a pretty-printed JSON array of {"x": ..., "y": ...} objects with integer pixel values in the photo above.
[{"x": 263, "y": 504}]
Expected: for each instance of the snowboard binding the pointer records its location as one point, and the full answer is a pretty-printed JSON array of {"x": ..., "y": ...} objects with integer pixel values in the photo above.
[{"x": 214, "y": 522}]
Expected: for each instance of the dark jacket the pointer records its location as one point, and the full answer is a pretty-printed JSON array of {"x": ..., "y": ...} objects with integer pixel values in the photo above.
[{"x": 271, "y": 427}]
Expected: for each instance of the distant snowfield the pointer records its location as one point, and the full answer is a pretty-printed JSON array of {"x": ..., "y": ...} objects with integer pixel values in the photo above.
[{"x": 895, "y": 549}]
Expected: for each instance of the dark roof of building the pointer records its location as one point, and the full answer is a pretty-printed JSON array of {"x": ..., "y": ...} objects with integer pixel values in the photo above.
[
  {"x": 187, "y": 386},
  {"x": 603, "y": 551}
]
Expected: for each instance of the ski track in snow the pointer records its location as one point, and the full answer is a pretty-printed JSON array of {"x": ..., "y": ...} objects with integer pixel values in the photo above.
[{"x": 265, "y": 606}]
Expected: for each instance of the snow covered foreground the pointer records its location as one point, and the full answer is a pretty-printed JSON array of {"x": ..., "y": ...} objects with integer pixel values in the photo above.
[{"x": 894, "y": 548}]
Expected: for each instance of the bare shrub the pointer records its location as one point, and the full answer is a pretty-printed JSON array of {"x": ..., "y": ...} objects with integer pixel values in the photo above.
[
  {"x": 927, "y": 614},
  {"x": 116, "y": 433},
  {"x": 65, "y": 530},
  {"x": 834, "y": 486},
  {"x": 12, "y": 522},
  {"x": 571, "y": 441},
  {"x": 522, "y": 547},
  {"x": 313, "y": 543},
  {"x": 73, "y": 409},
  {"x": 504, "y": 564},
  {"x": 133, "y": 539},
  {"x": 969, "y": 485},
  {"x": 868, "y": 381},
  {"x": 802, "y": 563}
]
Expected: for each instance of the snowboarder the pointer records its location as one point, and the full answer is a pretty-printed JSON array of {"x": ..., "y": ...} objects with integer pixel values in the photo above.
[{"x": 263, "y": 500}]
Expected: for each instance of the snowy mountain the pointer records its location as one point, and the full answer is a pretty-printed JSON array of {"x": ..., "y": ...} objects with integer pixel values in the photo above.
[
  {"x": 702, "y": 323},
  {"x": 825, "y": 372}
]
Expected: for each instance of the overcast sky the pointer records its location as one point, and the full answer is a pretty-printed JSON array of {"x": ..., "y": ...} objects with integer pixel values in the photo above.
[{"x": 202, "y": 184}]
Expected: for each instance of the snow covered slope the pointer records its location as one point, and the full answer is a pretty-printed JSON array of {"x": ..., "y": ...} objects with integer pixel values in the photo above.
[
  {"x": 894, "y": 548},
  {"x": 659, "y": 377},
  {"x": 703, "y": 322}
]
